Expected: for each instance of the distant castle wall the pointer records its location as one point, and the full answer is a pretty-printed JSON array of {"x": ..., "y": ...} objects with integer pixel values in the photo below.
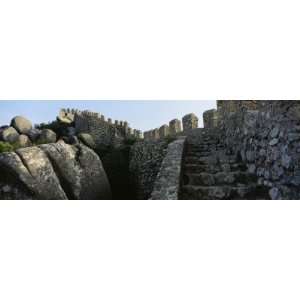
[
  {"x": 105, "y": 132},
  {"x": 174, "y": 128}
]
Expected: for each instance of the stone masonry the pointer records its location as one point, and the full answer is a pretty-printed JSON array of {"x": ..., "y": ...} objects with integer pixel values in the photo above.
[
  {"x": 104, "y": 132},
  {"x": 189, "y": 122}
]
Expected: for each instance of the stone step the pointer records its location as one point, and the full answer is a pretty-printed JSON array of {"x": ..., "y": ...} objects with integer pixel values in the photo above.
[
  {"x": 195, "y": 157},
  {"x": 201, "y": 145},
  {"x": 219, "y": 178},
  {"x": 191, "y": 192},
  {"x": 205, "y": 192},
  {"x": 199, "y": 168}
]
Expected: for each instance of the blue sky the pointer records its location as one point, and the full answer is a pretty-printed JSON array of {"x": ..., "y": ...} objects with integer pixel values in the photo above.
[{"x": 143, "y": 115}]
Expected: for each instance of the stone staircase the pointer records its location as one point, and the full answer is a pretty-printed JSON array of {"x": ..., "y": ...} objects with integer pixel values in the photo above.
[{"x": 211, "y": 172}]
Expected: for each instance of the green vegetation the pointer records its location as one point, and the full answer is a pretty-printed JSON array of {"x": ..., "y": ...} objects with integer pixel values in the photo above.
[
  {"x": 10, "y": 147},
  {"x": 6, "y": 147}
]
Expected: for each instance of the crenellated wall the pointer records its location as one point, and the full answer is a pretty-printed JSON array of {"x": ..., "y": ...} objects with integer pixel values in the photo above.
[
  {"x": 175, "y": 128},
  {"x": 105, "y": 132}
]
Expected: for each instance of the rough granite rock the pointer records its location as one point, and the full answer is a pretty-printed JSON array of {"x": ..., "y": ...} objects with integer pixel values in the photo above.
[
  {"x": 9, "y": 135},
  {"x": 47, "y": 136},
  {"x": 87, "y": 139},
  {"x": 23, "y": 141},
  {"x": 53, "y": 171},
  {"x": 21, "y": 124},
  {"x": 64, "y": 120},
  {"x": 34, "y": 134}
]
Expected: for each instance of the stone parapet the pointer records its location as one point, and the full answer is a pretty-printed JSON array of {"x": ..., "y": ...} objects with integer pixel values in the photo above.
[
  {"x": 175, "y": 127},
  {"x": 167, "y": 183},
  {"x": 210, "y": 118},
  {"x": 189, "y": 122},
  {"x": 104, "y": 132}
]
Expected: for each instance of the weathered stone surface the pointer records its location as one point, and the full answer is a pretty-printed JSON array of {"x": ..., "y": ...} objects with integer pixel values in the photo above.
[
  {"x": 274, "y": 132},
  {"x": 174, "y": 127},
  {"x": 274, "y": 193},
  {"x": 64, "y": 120},
  {"x": 145, "y": 161},
  {"x": 21, "y": 124},
  {"x": 23, "y": 141},
  {"x": 293, "y": 137},
  {"x": 167, "y": 183},
  {"x": 53, "y": 171},
  {"x": 105, "y": 133},
  {"x": 81, "y": 173},
  {"x": 10, "y": 135},
  {"x": 286, "y": 160},
  {"x": 189, "y": 122},
  {"x": 66, "y": 116},
  {"x": 33, "y": 134},
  {"x": 274, "y": 142},
  {"x": 87, "y": 139},
  {"x": 210, "y": 118},
  {"x": 163, "y": 131},
  {"x": 274, "y": 139},
  {"x": 32, "y": 171},
  {"x": 47, "y": 136}
]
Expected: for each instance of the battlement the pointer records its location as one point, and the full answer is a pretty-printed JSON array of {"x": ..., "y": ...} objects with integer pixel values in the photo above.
[
  {"x": 105, "y": 131},
  {"x": 174, "y": 128},
  {"x": 226, "y": 108}
]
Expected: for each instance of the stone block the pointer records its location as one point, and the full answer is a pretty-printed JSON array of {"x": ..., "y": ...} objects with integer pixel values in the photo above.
[
  {"x": 189, "y": 122},
  {"x": 210, "y": 118},
  {"x": 174, "y": 127},
  {"x": 163, "y": 131}
]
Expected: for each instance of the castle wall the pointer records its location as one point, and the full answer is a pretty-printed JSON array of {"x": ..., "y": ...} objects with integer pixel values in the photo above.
[
  {"x": 268, "y": 140},
  {"x": 189, "y": 122},
  {"x": 105, "y": 132},
  {"x": 145, "y": 161},
  {"x": 175, "y": 128},
  {"x": 210, "y": 118}
]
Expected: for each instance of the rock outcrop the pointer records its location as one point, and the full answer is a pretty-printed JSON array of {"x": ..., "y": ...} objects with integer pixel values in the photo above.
[
  {"x": 23, "y": 141},
  {"x": 53, "y": 171},
  {"x": 9, "y": 135},
  {"x": 21, "y": 124},
  {"x": 47, "y": 136},
  {"x": 87, "y": 139}
]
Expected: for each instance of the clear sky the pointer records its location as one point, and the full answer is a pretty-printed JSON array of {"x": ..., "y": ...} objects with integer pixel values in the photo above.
[{"x": 143, "y": 115}]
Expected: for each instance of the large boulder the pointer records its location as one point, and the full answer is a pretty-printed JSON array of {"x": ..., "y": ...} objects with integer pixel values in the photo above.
[
  {"x": 47, "y": 136},
  {"x": 53, "y": 171},
  {"x": 34, "y": 134},
  {"x": 87, "y": 139},
  {"x": 23, "y": 141},
  {"x": 2, "y": 128},
  {"x": 64, "y": 120},
  {"x": 21, "y": 124},
  {"x": 9, "y": 135}
]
